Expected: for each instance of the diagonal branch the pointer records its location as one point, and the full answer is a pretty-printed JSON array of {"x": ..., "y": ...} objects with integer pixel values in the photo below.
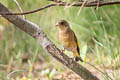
[
  {"x": 89, "y": 4},
  {"x": 36, "y": 32}
]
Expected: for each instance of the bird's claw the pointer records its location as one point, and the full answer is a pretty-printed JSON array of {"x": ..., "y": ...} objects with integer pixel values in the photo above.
[
  {"x": 62, "y": 51},
  {"x": 77, "y": 59}
]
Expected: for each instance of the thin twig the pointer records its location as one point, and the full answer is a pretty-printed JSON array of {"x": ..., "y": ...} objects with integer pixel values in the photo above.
[
  {"x": 91, "y": 4},
  {"x": 19, "y": 7},
  {"x": 57, "y": 1},
  {"x": 29, "y": 12}
]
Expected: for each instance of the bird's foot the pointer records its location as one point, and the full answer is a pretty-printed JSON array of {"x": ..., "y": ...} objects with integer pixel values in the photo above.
[
  {"x": 62, "y": 51},
  {"x": 78, "y": 59}
]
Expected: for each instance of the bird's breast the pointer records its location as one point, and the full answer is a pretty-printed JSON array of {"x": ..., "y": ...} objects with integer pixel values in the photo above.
[{"x": 67, "y": 40}]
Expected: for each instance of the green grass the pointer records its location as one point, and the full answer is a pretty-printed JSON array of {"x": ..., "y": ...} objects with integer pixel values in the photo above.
[{"x": 97, "y": 32}]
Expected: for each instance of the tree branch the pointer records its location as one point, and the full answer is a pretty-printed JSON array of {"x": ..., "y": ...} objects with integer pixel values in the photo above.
[
  {"x": 36, "y": 32},
  {"x": 87, "y": 4}
]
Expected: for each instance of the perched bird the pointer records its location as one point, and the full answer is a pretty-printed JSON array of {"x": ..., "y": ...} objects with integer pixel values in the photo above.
[{"x": 68, "y": 39}]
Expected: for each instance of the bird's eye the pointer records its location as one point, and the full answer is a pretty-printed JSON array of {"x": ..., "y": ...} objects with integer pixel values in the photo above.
[{"x": 62, "y": 23}]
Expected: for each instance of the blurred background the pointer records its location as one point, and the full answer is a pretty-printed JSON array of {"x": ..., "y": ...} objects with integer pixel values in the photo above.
[{"x": 98, "y": 33}]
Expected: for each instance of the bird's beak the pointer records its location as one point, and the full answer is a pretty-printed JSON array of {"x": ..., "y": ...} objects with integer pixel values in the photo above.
[{"x": 57, "y": 24}]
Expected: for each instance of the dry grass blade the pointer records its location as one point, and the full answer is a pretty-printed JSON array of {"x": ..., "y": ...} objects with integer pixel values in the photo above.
[
  {"x": 81, "y": 7},
  {"x": 19, "y": 7}
]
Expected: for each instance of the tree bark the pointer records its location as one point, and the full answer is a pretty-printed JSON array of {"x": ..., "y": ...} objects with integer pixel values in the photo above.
[{"x": 36, "y": 32}]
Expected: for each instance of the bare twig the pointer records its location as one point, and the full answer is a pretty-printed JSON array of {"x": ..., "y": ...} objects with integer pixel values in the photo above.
[
  {"x": 36, "y": 32},
  {"x": 19, "y": 7},
  {"x": 29, "y": 12},
  {"x": 89, "y": 4},
  {"x": 57, "y": 1}
]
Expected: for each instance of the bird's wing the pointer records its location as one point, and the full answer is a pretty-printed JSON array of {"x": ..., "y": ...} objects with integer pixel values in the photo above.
[{"x": 76, "y": 42}]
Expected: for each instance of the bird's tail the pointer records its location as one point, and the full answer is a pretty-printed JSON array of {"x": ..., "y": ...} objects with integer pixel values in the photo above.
[{"x": 77, "y": 56}]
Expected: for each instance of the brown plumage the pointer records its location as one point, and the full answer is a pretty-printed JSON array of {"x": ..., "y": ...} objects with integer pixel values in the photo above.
[{"x": 68, "y": 39}]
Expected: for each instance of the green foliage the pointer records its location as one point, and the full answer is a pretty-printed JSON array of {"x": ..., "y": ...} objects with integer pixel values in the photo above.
[{"x": 48, "y": 73}]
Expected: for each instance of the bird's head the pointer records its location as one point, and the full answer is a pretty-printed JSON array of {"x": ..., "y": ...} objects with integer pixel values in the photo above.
[{"x": 62, "y": 24}]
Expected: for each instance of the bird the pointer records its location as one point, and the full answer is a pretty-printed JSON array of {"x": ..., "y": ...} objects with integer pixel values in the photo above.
[{"x": 68, "y": 39}]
